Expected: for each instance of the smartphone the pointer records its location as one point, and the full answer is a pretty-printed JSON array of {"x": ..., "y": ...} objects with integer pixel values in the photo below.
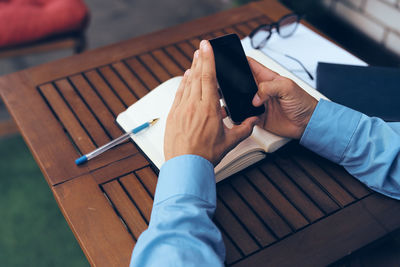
[{"x": 235, "y": 79}]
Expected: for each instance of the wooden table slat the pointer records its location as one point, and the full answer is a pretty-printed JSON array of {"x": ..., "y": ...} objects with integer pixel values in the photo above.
[
  {"x": 138, "y": 194},
  {"x": 76, "y": 117},
  {"x": 100, "y": 110},
  {"x": 356, "y": 188},
  {"x": 240, "y": 33},
  {"x": 118, "y": 168},
  {"x": 129, "y": 213},
  {"x": 234, "y": 229},
  {"x": 99, "y": 230},
  {"x": 181, "y": 59},
  {"x": 195, "y": 42},
  {"x": 337, "y": 235},
  {"x": 243, "y": 28},
  {"x": 118, "y": 86},
  {"x": 279, "y": 201},
  {"x": 148, "y": 179},
  {"x": 291, "y": 191},
  {"x": 187, "y": 49},
  {"x": 207, "y": 36},
  {"x": 233, "y": 30},
  {"x": 218, "y": 33},
  {"x": 232, "y": 253},
  {"x": 78, "y": 134},
  {"x": 172, "y": 68},
  {"x": 112, "y": 101},
  {"x": 252, "y": 24},
  {"x": 263, "y": 20},
  {"x": 137, "y": 86},
  {"x": 263, "y": 209},
  {"x": 84, "y": 115},
  {"x": 155, "y": 67},
  {"x": 118, "y": 153},
  {"x": 148, "y": 78},
  {"x": 247, "y": 217},
  {"x": 319, "y": 175},
  {"x": 313, "y": 190},
  {"x": 353, "y": 186}
]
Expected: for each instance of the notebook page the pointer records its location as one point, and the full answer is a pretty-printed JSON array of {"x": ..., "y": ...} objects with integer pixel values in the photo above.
[
  {"x": 268, "y": 141},
  {"x": 155, "y": 104}
]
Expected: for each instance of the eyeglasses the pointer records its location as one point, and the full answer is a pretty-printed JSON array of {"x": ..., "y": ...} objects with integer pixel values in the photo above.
[{"x": 285, "y": 27}]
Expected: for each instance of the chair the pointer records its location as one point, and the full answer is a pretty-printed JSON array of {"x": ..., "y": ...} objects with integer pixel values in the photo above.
[{"x": 35, "y": 26}]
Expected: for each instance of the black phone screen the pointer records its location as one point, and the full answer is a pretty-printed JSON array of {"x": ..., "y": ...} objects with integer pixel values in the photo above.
[{"x": 235, "y": 78}]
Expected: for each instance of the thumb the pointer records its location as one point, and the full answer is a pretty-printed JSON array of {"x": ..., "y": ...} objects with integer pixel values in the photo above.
[
  {"x": 260, "y": 72},
  {"x": 278, "y": 87},
  {"x": 239, "y": 132}
]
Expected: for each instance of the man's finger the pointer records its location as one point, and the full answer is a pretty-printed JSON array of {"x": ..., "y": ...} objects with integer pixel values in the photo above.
[
  {"x": 180, "y": 90},
  {"x": 186, "y": 93},
  {"x": 260, "y": 72},
  {"x": 208, "y": 76},
  {"x": 239, "y": 132},
  {"x": 278, "y": 87},
  {"x": 195, "y": 91}
]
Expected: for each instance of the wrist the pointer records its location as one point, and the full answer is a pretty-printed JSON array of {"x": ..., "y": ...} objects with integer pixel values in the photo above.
[{"x": 307, "y": 116}]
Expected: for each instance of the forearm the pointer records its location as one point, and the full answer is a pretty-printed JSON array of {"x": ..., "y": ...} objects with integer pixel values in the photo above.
[
  {"x": 368, "y": 148},
  {"x": 181, "y": 231}
]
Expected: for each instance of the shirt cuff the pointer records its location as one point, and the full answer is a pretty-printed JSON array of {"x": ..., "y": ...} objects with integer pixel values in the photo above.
[
  {"x": 330, "y": 130},
  {"x": 186, "y": 175}
]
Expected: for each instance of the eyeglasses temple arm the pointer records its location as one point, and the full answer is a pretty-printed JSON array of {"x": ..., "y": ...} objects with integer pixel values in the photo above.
[{"x": 301, "y": 64}]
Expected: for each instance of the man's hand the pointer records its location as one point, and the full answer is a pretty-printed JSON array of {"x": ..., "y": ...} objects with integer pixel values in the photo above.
[
  {"x": 288, "y": 107},
  {"x": 194, "y": 124}
]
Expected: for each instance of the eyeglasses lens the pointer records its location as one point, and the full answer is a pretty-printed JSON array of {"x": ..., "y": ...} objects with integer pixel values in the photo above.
[
  {"x": 288, "y": 25},
  {"x": 260, "y": 37}
]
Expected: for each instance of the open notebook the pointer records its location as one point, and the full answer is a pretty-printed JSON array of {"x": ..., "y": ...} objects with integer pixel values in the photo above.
[{"x": 158, "y": 102}]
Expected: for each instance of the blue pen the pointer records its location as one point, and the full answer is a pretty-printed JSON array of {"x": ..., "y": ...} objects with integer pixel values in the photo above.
[{"x": 114, "y": 142}]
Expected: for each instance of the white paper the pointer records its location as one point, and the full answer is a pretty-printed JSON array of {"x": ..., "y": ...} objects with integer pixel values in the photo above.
[{"x": 309, "y": 48}]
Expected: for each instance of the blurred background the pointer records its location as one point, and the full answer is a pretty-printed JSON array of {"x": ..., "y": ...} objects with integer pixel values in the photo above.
[{"x": 32, "y": 229}]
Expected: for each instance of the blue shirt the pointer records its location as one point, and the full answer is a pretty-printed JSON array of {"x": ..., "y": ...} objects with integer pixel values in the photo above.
[{"x": 181, "y": 231}]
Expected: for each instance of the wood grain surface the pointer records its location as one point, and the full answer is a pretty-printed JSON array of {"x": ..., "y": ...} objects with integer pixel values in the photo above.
[{"x": 292, "y": 209}]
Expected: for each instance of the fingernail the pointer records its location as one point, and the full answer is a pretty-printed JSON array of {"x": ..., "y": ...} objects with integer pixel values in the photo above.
[
  {"x": 187, "y": 72},
  {"x": 256, "y": 100},
  {"x": 196, "y": 54},
  {"x": 204, "y": 45}
]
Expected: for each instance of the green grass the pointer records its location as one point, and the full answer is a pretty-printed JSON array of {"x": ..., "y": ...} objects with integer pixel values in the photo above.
[{"x": 33, "y": 231}]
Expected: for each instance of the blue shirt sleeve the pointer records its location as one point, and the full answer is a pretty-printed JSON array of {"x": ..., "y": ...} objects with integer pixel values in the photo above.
[
  {"x": 367, "y": 147},
  {"x": 181, "y": 231}
]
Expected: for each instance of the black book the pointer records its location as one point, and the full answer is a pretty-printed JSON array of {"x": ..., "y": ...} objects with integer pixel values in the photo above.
[{"x": 374, "y": 91}]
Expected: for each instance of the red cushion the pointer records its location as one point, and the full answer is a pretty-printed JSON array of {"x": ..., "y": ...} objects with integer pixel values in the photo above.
[{"x": 23, "y": 21}]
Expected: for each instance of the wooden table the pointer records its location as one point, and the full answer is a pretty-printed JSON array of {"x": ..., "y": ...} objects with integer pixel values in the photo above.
[{"x": 292, "y": 209}]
